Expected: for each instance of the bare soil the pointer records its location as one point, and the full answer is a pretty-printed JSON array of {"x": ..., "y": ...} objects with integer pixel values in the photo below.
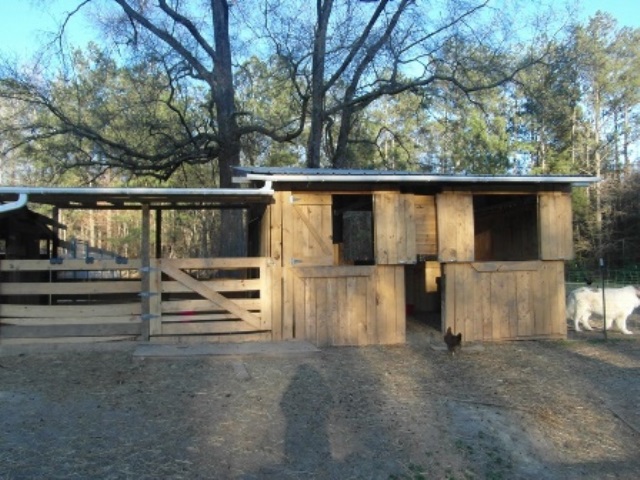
[{"x": 522, "y": 410}]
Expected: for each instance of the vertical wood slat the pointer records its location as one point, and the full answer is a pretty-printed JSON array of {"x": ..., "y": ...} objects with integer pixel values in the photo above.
[
  {"x": 455, "y": 227},
  {"x": 526, "y": 325},
  {"x": 555, "y": 226},
  {"x": 425, "y": 224},
  {"x": 383, "y": 221},
  {"x": 265, "y": 296},
  {"x": 390, "y": 304},
  {"x": 408, "y": 226},
  {"x": 275, "y": 268}
]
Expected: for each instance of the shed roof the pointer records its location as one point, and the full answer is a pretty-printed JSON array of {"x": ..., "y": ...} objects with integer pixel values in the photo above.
[
  {"x": 132, "y": 198},
  {"x": 320, "y": 175},
  {"x": 12, "y": 197}
]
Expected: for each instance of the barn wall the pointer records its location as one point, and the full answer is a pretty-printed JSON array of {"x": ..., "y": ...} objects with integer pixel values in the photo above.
[
  {"x": 505, "y": 300},
  {"x": 555, "y": 224}
]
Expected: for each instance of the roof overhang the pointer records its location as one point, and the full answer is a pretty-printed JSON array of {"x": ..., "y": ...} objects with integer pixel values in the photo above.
[
  {"x": 134, "y": 198},
  {"x": 307, "y": 175}
]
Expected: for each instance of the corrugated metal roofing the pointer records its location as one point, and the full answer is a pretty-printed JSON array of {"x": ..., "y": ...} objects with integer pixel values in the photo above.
[{"x": 295, "y": 174}]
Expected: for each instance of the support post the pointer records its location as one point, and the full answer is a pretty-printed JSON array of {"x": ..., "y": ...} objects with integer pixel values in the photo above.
[
  {"x": 158, "y": 233},
  {"x": 145, "y": 248}
]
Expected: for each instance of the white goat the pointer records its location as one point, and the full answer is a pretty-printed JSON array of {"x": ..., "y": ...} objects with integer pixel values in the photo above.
[{"x": 620, "y": 303}]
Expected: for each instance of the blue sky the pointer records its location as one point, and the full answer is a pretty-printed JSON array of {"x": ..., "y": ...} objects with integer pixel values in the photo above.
[{"x": 24, "y": 21}]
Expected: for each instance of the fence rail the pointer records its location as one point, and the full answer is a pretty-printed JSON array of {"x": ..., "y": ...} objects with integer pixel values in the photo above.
[{"x": 106, "y": 299}]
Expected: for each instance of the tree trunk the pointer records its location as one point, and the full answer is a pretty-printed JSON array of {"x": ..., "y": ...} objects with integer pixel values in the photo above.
[
  {"x": 314, "y": 143},
  {"x": 232, "y": 236}
]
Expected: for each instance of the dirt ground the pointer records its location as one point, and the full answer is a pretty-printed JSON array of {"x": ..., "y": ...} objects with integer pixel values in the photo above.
[{"x": 523, "y": 410}]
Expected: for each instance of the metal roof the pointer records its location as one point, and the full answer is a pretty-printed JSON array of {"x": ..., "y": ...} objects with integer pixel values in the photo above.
[
  {"x": 13, "y": 197},
  {"x": 132, "y": 198},
  {"x": 319, "y": 175}
]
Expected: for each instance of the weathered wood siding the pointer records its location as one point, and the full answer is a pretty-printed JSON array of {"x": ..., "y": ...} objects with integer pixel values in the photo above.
[
  {"x": 505, "y": 300},
  {"x": 348, "y": 305},
  {"x": 426, "y": 227},
  {"x": 394, "y": 228},
  {"x": 555, "y": 225},
  {"x": 455, "y": 227}
]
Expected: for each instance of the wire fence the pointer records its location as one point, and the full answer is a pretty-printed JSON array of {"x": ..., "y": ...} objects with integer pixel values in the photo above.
[{"x": 613, "y": 277}]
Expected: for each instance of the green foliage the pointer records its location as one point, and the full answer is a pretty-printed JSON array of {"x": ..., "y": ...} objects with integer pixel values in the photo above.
[{"x": 409, "y": 97}]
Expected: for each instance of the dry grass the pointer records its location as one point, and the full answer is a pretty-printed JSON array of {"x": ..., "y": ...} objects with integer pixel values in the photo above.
[{"x": 518, "y": 410}]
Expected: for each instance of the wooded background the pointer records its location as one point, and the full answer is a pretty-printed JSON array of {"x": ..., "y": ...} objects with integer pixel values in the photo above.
[{"x": 175, "y": 93}]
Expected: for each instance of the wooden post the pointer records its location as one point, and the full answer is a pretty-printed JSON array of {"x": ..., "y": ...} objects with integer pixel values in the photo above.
[
  {"x": 55, "y": 214},
  {"x": 155, "y": 297},
  {"x": 158, "y": 233},
  {"x": 146, "y": 272},
  {"x": 604, "y": 301}
]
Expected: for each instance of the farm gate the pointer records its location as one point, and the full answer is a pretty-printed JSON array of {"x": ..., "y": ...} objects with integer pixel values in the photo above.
[{"x": 67, "y": 300}]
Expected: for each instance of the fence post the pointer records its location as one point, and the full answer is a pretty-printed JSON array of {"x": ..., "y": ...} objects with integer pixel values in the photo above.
[
  {"x": 155, "y": 297},
  {"x": 146, "y": 272},
  {"x": 604, "y": 302}
]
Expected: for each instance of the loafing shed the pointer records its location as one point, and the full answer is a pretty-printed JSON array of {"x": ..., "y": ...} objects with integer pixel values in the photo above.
[{"x": 335, "y": 258}]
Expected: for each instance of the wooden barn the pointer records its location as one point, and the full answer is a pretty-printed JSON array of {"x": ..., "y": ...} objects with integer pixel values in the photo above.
[{"x": 335, "y": 258}]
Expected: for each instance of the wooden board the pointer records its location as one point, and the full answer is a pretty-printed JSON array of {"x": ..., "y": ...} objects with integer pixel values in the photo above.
[
  {"x": 49, "y": 331},
  {"x": 67, "y": 264},
  {"x": 239, "y": 285},
  {"x": 75, "y": 310},
  {"x": 394, "y": 228},
  {"x": 273, "y": 302},
  {"x": 455, "y": 227},
  {"x": 205, "y": 305},
  {"x": 93, "y": 287},
  {"x": 425, "y": 225},
  {"x": 555, "y": 226}
]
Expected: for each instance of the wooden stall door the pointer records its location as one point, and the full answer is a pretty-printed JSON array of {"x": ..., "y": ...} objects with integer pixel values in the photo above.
[
  {"x": 349, "y": 305},
  {"x": 394, "y": 228},
  {"x": 494, "y": 301},
  {"x": 455, "y": 227},
  {"x": 307, "y": 224},
  {"x": 555, "y": 222}
]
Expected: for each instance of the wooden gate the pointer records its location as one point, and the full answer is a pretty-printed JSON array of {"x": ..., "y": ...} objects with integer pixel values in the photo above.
[{"x": 209, "y": 299}]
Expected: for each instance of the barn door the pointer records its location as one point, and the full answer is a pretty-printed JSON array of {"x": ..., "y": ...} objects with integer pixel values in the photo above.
[
  {"x": 556, "y": 230},
  {"x": 395, "y": 228},
  {"x": 307, "y": 237},
  {"x": 455, "y": 227}
]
